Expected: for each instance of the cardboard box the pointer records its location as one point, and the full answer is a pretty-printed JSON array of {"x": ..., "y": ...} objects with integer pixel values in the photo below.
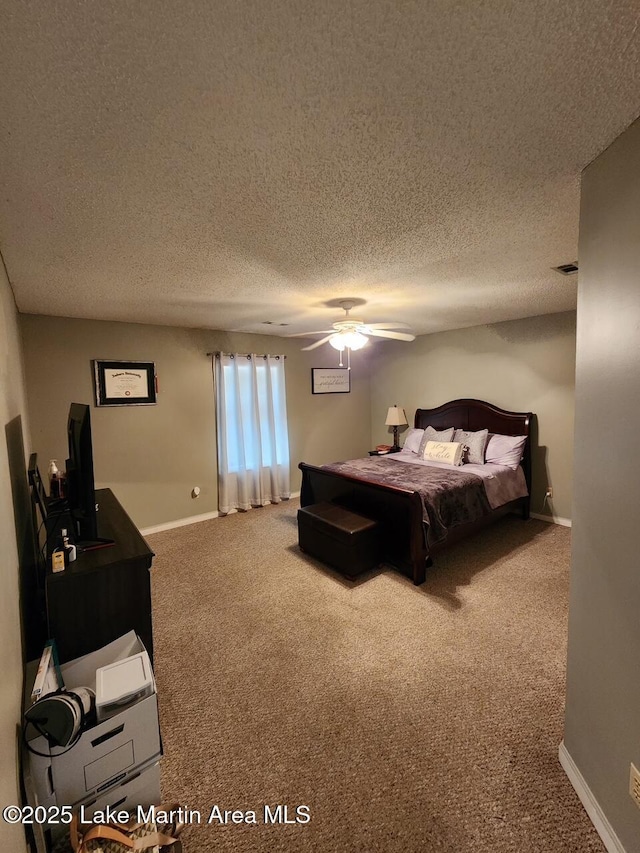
[{"x": 109, "y": 752}]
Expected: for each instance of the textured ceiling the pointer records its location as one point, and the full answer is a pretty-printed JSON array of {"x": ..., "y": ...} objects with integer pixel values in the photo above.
[{"x": 220, "y": 164}]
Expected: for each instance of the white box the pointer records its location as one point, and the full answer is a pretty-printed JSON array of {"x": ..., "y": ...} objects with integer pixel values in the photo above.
[
  {"x": 107, "y": 753},
  {"x": 123, "y": 683}
]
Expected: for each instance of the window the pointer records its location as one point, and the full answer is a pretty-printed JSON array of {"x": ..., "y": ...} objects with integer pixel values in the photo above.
[{"x": 253, "y": 439}]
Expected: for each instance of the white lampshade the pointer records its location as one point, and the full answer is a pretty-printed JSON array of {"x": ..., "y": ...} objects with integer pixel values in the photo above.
[
  {"x": 396, "y": 416},
  {"x": 350, "y": 339}
]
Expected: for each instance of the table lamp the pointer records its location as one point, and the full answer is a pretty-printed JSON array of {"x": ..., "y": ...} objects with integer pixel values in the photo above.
[{"x": 395, "y": 418}]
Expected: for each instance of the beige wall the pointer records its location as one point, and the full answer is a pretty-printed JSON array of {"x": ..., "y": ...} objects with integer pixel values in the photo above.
[
  {"x": 521, "y": 365},
  {"x": 152, "y": 456},
  {"x": 12, "y": 408},
  {"x": 602, "y": 731}
]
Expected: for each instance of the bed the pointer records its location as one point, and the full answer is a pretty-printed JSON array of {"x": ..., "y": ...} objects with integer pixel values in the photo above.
[{"x": 376, "y": 488}]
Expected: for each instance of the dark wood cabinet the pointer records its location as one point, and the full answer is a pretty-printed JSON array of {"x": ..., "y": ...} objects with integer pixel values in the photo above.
[{"x": 105, "y": 592}]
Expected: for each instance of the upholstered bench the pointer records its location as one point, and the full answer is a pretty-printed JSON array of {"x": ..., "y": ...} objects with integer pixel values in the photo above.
[{"x": 343, "y": 539}]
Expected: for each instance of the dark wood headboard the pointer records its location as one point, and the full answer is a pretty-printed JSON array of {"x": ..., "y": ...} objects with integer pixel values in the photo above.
[{"x": 476, "y": 414}]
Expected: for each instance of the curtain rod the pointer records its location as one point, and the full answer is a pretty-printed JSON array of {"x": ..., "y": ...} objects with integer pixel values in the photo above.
[{"x": 244, "y": 355}]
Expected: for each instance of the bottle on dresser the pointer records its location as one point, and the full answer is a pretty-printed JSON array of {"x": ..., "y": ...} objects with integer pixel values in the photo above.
[
  {"x": 54, "y": 480},
  {"x": 64, "y": 552}
]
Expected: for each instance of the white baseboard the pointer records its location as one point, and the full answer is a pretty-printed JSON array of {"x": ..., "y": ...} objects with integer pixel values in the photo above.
[
  {"x": 193, "y": 519},
  {"x": 591, "y": 805},
  {"x": 552, "y": 519},
  {"x": 180, "y": 522}
]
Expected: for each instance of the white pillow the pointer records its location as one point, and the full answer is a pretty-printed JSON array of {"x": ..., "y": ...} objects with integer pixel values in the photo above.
[
  {"x": 450, "y": 452},
  {"x": 412, "y": 440},
  {"x": 505, "y": 449}
]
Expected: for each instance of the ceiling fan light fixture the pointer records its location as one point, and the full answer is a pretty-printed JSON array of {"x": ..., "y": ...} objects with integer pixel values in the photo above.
[
  {"x": 351, "y": 334},
  {"x": 348, "y": 339}
]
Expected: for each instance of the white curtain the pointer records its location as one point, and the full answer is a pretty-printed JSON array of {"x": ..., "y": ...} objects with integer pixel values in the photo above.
[{"x": 253, "y": 439}]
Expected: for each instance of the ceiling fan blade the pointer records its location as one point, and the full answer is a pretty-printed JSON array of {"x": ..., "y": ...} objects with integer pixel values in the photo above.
[
  {"x": 308, "y": 334},
  {"x": 387, "y": 325},
  {"x": 317, "y": 343},
  {"x": 396, "y": 336}
]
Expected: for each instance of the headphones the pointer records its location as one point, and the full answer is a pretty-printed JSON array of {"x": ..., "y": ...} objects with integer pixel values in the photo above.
[{"x": 60, "y": 717}]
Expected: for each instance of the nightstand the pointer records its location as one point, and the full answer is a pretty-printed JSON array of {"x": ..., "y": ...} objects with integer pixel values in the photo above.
[{"x": 386, "y": 452}]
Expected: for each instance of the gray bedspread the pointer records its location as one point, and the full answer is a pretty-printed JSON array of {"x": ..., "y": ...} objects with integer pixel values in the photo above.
[{"x": 449, "y": 496}]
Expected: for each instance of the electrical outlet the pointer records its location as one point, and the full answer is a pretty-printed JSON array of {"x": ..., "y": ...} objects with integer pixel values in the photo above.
[
  {"x": 634, "y": 784},
  {"x": 549, "y": 492}
]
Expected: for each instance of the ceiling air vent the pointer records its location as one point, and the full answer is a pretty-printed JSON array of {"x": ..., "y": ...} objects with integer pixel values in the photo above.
[
  {"x": 273, "y": 323},
  {"x": 567, "y": 269}
]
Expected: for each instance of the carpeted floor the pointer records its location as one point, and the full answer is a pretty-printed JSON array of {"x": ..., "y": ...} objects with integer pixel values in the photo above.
[{"x": 406, "y": 718}]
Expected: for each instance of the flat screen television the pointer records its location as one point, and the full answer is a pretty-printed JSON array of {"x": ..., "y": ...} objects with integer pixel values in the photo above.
[{"x": 81, "y": 492}]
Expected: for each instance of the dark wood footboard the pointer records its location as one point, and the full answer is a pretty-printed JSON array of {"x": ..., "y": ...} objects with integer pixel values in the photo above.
[{"x": 397, "y": 511}]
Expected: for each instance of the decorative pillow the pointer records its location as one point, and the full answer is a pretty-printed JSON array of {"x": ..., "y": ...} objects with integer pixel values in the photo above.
[
  {"x": 476, "y": 443},
  {"x": 444, "y": 451},
  {"x": 413, "y": 439},
  {"x": 505, "y": 449},
  {"x": 431, "y": 434}
]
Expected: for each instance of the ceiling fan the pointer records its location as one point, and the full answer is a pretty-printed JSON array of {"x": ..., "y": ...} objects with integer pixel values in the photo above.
[{"x": 352, "y": 334}]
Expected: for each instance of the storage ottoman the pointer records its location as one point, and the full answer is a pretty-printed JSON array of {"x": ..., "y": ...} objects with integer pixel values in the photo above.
[{"x": 343, "y": 539}]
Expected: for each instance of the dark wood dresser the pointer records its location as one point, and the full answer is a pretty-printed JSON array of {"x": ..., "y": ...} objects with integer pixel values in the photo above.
[{"x": 105, "y": 592}]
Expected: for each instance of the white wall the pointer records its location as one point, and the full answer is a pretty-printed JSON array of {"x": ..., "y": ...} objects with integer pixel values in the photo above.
[
  {"x": 602, "y": 733},
  {"x": 12, "y": 406}
]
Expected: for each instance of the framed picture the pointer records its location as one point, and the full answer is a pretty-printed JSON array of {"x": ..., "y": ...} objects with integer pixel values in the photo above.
[
  {"x": 330, "y": 380},
  {"x": 125, "y": 383}
]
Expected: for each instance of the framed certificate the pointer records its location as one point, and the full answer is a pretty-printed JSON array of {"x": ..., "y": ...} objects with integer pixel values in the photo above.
[
  {"x": 125, "y": 383},
  {"x": 330, "y": 380}
]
